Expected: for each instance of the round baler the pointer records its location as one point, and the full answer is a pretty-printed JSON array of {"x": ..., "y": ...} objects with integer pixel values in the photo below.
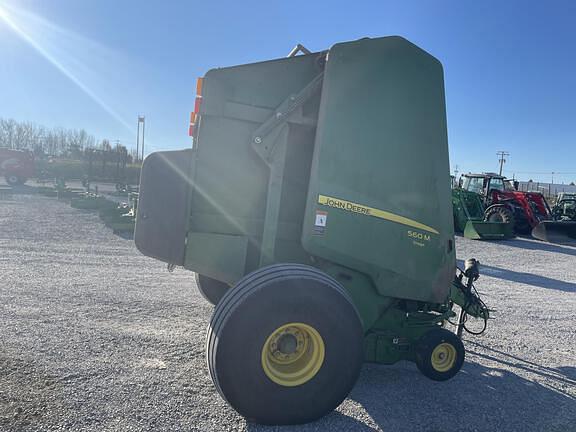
[{"x": 316, "y": 209}]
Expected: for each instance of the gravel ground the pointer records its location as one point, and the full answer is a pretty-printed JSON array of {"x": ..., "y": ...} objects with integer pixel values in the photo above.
[{"x": 96, "y": 337}]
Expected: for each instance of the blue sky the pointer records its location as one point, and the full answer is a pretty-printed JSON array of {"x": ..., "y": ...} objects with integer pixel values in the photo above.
[{"x": 510, "y": 67}]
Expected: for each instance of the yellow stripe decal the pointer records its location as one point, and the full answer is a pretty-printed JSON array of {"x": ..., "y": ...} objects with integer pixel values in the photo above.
[{"x": 369, "y": 211}]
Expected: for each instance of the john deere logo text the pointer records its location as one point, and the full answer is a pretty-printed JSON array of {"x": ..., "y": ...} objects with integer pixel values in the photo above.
[
  {"x": 345, "y": 205},
  {"x": 377, "y": 213}
]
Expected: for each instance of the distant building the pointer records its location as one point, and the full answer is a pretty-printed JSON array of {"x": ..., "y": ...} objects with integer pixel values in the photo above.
[{"x": 548, "y": 189}]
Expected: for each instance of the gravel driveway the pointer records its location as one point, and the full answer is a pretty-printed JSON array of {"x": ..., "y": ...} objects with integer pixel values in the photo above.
[{"x": 96, "y": 337}]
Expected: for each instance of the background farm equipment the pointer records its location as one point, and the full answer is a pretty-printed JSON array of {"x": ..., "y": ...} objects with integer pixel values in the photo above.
[
  {"x": 320, "y": 260},
  {"x": 5, "y": 192},
  {"x": 48, "y": 191},
  {"x": 91, "y": 201},
  {"x": 531, "y": 212},
  {"x": 471, "y": 219},
  {"x": 16, "y": 166},
  {"x": 64, "y": 192},
  {"x": 564, "y": 208},
  {"x": 122, "y": 217},
  {"x": 119, "y": 216},
  {"x": 562, "y": 228}
]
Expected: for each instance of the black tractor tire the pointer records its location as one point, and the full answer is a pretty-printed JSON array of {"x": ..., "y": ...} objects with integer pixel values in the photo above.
[
  {"x": 14, "y": 180},
  {"x": 211, "y": 289},
  {"x": 499, "y": 214},
  {"x": 439, "y": 354},
  {"x": 246, "y": 335}
]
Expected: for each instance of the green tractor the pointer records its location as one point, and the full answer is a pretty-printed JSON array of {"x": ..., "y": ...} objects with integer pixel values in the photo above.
[
  {"x": 478, "y": 223},
  {"x": 564, "y": 208},
  {"x": 299, "y": 209}
]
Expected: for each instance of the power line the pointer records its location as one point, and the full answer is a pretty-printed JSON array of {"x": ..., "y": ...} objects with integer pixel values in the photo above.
[{"x": 543, "y": 172}]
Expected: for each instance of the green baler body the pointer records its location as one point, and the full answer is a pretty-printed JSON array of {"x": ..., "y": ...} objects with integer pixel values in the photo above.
[
  {"x": 228, "y": 202},
  {"x": 381, "y": 144},
  {"x": 337, "y": 160}
]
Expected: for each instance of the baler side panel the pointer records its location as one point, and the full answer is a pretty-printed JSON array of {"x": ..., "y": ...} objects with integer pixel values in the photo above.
[
  {"x": 379, "y": 199},
  {"x": 231, "y": 179}
]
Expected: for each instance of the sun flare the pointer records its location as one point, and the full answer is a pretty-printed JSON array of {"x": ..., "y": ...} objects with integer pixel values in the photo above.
[{"x": 23, "y": 24}]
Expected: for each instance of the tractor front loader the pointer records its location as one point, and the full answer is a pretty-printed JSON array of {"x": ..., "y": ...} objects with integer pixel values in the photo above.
[
  {"x": 562, "y": 226},
  {"x": 530, "y": 210},
  {"x": 318, "y": 246},
  {"x": 471, "y": 218}
]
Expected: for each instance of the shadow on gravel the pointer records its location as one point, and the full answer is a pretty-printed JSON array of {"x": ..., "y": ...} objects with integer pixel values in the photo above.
[
  {"x": 507, "y": 396},
  {"x": 563, "y": 374},
  {"x": 479, "y": 398},
  {"x": 126, "y": 235},
  {"x": 568, "y": 371},
  {"x": 522, "y": 243},
  {"x": 528, "y": 278},
  {"x": 333, "y": 421},
  {"x": 525, "y": 278}
]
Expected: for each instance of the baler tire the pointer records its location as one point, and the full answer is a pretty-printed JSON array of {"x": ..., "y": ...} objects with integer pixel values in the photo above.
[
  {"x": 439, "y": 354},
  {"x": 211, "y": 289},
  {"x": 499, "y": 214},
  {"x": 249, "y": 323}
]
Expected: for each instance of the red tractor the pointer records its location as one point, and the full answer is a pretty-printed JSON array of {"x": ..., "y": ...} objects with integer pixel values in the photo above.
[
  {"x": 529, "y": 211},
  {"x": 16, "y": 166}
]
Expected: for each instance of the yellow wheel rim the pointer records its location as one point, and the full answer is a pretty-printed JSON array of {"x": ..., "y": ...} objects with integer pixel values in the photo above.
[
  {"x": 293, "y": 354},
  {"x": 444, "y": 357}
]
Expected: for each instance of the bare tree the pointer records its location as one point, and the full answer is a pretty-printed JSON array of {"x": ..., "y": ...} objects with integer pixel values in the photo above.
[
  {"x": 7, "y": 133},
  {"x": 44, "y": 141}
]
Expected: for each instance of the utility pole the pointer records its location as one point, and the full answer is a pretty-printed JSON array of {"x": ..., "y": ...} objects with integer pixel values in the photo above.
[
  {"x": 137, "y": 140},
  {"x": 455, "y": 182},
  {"x": 143, "y": 126},
  {"x": 141, "y": 120},
  {"x": 501, "y": 158},
  {"x": 117, "y": 151}
]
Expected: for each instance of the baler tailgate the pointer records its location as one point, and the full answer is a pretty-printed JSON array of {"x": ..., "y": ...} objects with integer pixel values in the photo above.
[{"x": 162, "y": 218}]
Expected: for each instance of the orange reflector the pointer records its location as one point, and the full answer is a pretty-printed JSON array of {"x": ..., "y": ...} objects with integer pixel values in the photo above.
[
  {"x": 191, "y": 129},
  {"x": 197, "y": 103},
  {"x": 199, "y": 83}
]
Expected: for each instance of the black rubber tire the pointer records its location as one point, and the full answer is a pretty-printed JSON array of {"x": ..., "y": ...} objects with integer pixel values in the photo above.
[
  {"x": 260, "y": 303},
  {"x": 499, "y": 214},
  {"x": 428, "y": 342},
  {"x": 211, "y": 289},
  {"x": 14, "y": 180}
]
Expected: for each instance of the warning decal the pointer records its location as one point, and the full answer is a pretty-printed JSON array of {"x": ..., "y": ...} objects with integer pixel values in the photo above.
[{"x": 320, "y": 221}]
